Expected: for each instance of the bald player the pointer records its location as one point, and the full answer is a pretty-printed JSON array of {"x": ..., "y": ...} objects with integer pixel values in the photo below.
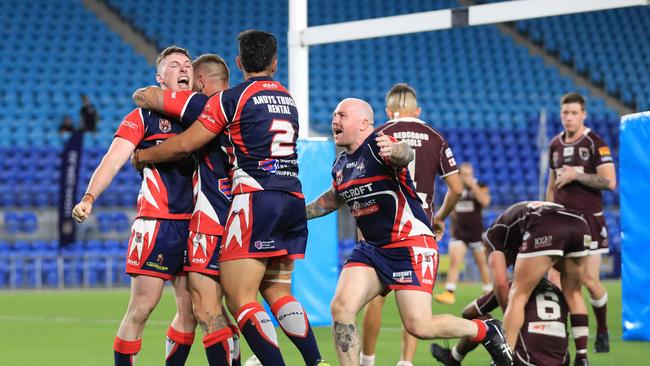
[
  {"x": 398, "y": 251},
  {"x": 433, "y": 157}
]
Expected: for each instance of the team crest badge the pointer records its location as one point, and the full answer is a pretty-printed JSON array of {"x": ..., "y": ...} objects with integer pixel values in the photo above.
[
  {"x": 138, "y": 237},
  {"x": 164, "y": 125},
  {"x": 584, "y": 153},
  {"x": 339, "y": 176},
  {"x": 160, "y": 259}
]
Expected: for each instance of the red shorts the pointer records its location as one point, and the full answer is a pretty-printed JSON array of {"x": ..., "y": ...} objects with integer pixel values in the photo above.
[
  {"x": 202, "y": 254},
  {"x": 265, "y": 224},
  {"x": 156, "y": 247},
  {"x": 410, "y": 264}
]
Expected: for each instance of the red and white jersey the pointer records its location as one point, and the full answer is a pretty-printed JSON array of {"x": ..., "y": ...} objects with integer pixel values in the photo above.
[
  {"x": 166, "y": 191},
  {"x": 211, "y": 183}
]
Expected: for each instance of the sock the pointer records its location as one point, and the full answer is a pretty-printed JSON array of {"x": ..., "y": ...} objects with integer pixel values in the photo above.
[
  {"x": 456, "y": 355},
  {"x": 257, "y": 328},
  {"x": 404, "y": 363},
  {"x": 235, "y": 344},
  {"x": 294, "y": 323},
  {"x": 178, "y": 346},
  {"x": 580, "y": 331},
  {"x": 367, "y": 360},
  {"x": 219, "y": 347},
  {"x": 600, "y": 311},
  {"x": 125, "y": 352},
  {"x": 482, "y": 331},
  {"x": 451, "y": 287}
]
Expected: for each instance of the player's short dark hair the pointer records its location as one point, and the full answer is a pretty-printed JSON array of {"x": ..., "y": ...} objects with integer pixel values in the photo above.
[
  {"x": 573, "y": 97},
  {"x": 400, "y": 90},
  {"x": 211, "y": 58},
  {"x": 257, "y": 50},
  {"x": 170, "y": 50}
]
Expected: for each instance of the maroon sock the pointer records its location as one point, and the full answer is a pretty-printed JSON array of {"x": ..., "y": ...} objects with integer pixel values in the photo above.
[
  {"x": 580, "y": 330},
  {"x": 600, "y": 311}
]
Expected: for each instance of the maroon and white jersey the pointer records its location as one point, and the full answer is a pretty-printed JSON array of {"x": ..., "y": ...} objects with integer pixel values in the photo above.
[
  {"x": 585, "y": 155},
  {"x": 166, "y": 191},
  {"x": 433, "y": 156},
  {"x": 467, "y": 217}
]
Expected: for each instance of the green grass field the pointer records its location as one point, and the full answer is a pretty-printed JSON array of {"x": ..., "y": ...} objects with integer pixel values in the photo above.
[{"x": 77, "y": 328}]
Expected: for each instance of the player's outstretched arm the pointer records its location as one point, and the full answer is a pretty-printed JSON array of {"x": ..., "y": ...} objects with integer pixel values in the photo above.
[
  {"x": 497, "y": 264},
  {"x": 151, "y": 97},
  {"x": 176, "y": 147},
  {"x": 118, "y": 153},
  {"x": 323, "y": 205}
]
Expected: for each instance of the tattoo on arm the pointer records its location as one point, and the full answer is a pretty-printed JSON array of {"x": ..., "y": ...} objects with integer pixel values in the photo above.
[
  {"x": 593, "y": 181},
  {"x": 402, "y": 154},
  {"x": 324, "y": 204},
  {"x": 345, "y": 336}
]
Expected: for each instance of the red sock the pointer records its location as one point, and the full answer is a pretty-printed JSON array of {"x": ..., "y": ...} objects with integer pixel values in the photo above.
[
  {"x": 178, "y": 347},
  {"x": 125, "y": 351},
  {"x": 482, "y": 331}
]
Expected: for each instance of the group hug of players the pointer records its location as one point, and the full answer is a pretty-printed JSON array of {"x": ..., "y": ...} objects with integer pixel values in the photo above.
[{"x": 221, "y": 214}]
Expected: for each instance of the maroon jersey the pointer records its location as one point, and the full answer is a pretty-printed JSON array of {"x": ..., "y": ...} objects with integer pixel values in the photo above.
[
  {"x": 535, "y": 228},
  {"x": 433, "y": 156},
  {"x": 467, "y": 217},
  {"x": 543, "y": 337},
  {"x": 585, "y": 155}
]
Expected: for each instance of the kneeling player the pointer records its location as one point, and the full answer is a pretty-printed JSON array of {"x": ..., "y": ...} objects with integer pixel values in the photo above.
[{"x": 543, "y": 339}]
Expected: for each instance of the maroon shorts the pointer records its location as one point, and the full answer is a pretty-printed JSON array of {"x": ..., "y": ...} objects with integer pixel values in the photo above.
[
  {"x": 265, "y": 224},
  {"x": 156, "y": 247},
  {"x": 202, "y": 253},
  {"x": 558, "y": 233},
  {"x": 599, "y": 244}
]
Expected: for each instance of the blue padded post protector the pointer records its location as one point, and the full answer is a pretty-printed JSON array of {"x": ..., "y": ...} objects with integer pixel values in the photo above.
[{"x": 635, "y": 225}]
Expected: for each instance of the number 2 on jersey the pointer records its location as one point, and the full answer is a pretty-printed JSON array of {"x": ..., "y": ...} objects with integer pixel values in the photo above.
[{"x": 282, "y": 144}]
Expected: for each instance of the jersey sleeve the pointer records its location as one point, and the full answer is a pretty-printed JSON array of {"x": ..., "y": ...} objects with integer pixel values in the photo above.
[
  {"x": 184, "y": 105},
  {"x": 132, "y": 127},
  {"x": 213, "y": 116},
  {"x": 602, "y": 155},
  {"x": 447, "y": 160}
]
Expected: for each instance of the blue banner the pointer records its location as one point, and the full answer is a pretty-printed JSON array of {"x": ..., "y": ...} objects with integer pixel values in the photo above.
[
  {"x": 315, "y": 277},
  {"x": 635, "y": 228},
  {"x": 69, "y": 175}
]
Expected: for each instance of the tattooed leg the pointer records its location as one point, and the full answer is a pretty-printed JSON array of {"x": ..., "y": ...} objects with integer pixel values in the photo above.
[{"x": 346, "y": 341}]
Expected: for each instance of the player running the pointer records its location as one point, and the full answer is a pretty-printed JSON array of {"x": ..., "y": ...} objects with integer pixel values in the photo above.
[
  {"x": 433, "y": 157},
  {"x": 159, "y": 232},
  {"x": 399, "y": 251}
]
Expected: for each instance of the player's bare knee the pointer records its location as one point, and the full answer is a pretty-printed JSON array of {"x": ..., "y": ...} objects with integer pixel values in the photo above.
[
  {"x": 342, "y": 310},
  {"x": 416, "y": 328}
]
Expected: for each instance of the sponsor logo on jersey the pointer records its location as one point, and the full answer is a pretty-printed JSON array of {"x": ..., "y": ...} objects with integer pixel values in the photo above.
[
  {"x": 403, "y": 276},
  {"x": 164, "y": 125},
  {"x": 225, "y": 187},
  {"x": 199, "y": 260},
  {"x": 356, "y": 191},
  {"x": 552, "y": 328},
  {"x": 452, "y": 162},
  {"x": 270, "y": 85},
  {"x": 567, "y": 153},
  {"x": 586, "y": 240},
  {"x": 604, "y": 150},
  {"x": 360, "y": 209},
  {"x": 268, "y": 165},
  {"x": 556, "y": 159},
  {"x": 264, "y": 245},
  {"x": 543, "y": 241},
  {"x": 448, "y": 152},
  {"x": 133, "y": 262},
  {"x": 134, "y": 126},
  {"x": 584, "y": 153}
]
